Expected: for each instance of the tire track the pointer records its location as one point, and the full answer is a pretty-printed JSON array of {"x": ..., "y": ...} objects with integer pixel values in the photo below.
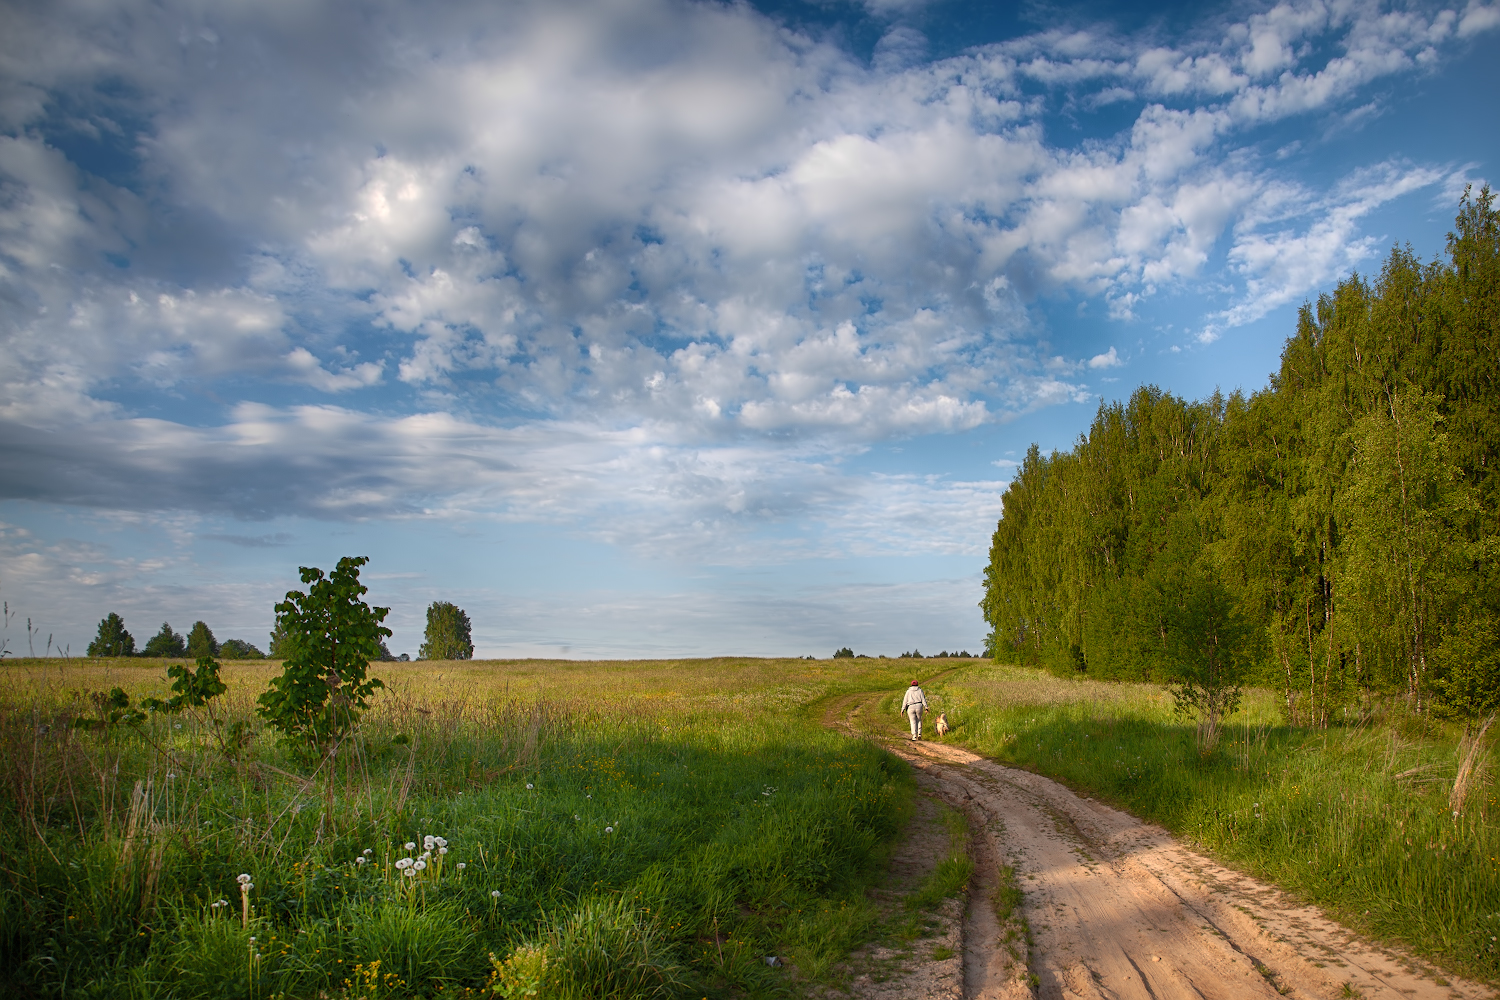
[{"x": 1120, "y": 910}]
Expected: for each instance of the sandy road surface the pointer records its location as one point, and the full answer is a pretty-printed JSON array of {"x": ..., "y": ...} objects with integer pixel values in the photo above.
[{"x": 1119, "y": 909}]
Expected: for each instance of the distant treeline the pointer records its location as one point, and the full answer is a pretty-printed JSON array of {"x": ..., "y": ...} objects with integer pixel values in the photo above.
[
  {"x": 448, "y": 637},
  {"x": 1333, "y": 535}
]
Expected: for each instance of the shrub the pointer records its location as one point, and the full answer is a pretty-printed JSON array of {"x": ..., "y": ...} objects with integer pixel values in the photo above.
[{"x": 330, "y": 637}]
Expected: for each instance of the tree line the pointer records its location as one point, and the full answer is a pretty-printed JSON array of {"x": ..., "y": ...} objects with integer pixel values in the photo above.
[
  {"x": 1333, "y": 536},
  {"x": 447, "y": 637}
]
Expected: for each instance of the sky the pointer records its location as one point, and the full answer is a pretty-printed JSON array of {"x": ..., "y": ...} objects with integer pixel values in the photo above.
[{"x": 649, "y": 328}]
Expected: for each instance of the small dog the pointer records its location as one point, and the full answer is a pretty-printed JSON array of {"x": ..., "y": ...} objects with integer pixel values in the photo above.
[{"x": 942, "y": 724}]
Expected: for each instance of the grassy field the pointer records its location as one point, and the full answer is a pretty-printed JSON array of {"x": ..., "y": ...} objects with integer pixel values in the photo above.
[
  {"x": 1354, "y": 818},
  {"x": 619, "y": 829}
]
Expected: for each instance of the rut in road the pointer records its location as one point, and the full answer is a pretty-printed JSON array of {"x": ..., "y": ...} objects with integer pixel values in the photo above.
[{"x": 1120, "y": 909}]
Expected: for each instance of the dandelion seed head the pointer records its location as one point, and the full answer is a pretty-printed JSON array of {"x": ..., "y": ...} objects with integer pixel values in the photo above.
[
  {"x": 418, "y": 865},
  {"x": 494, "y": 893},
  {"x": 242, "y": 878},
  {"x": 442, "y": 850},
  {"x": 367, "y": 852},
  {"x": 462, "y": 866},
  {"x": 529, "y": 786},
  {"x": 410, "y": 846},
  {"x": 361, "y": 860},
  {"x": 440, "y": 841},
  {"x": 428, "y": 842},
  {"x": 609, "y": 829},
  {"x": 410, "y": 873}
]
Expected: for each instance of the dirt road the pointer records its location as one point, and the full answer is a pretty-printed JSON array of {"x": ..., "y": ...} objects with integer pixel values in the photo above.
[{"x": 1117, "y": 908}]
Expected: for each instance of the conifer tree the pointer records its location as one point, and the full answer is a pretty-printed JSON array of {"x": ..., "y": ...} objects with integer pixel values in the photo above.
[
  {"x": 112, "y": 639},
  {"x": 201, "y": 642}
]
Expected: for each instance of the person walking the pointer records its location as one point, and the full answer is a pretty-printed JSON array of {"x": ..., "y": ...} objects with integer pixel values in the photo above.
[{"x": 914, "y": 704}]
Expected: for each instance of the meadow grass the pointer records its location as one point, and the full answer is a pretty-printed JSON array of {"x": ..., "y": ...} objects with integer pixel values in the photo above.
[
  {"x": 1354, "y": 818},
  {"x": 602, "y": 829}
]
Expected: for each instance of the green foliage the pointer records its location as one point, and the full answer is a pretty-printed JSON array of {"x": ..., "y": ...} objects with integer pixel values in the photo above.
[
  {"x": 278, "y": 646},
  {"x": 844, "y": 654},
  {"x": 112, "y": 639},
  {"x": 165, "y": 644},
  {"x": 447, "y": 636},
  {"x": 330, "y": 637},
  {"x": 194, "y": 688},
  {"x": 201, "y": 642},
  {"x": 114, "y": 709},
  {"x": 1339, "y": 523},
  {"x": 1468, "y": 664},
  {"x": 239, "y": 649}
]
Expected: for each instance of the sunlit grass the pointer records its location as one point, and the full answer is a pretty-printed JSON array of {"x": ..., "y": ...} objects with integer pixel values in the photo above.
[{"x": 696, "y": 794}]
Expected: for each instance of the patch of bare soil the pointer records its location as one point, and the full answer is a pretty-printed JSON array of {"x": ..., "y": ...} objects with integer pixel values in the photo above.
[{"x": 1117, "y": 908}]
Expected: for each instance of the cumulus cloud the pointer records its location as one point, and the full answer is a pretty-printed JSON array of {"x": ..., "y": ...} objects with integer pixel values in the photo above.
[
  {"x": 566, "y": 244},
  {"x": 1109, "y": 359}
]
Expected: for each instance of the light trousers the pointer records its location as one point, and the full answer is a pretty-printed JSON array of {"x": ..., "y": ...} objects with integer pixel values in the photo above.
[{"x": 914, "y": 714}]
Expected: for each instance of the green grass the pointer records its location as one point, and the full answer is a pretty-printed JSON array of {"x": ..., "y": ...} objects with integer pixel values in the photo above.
[
  {"x": 1354, "y": 818},
  {"x": 647, "y": 829}
]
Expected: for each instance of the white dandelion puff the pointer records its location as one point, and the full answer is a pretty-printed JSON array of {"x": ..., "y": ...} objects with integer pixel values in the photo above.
[
  {"x": 410, "y": 872},
  {"x": 367, "y": 852},
  {"x": 442, "y": 851},
  {"x": 403, "y": 863},
  {"x": 529, "y": 786},
  {"x": 361, "y": 860},
  {"x": 410, "y": 846},
  {"x": 609, "y": 829},
  {"x": 428, "y": 843},
  {"x": 462, "y": 866},
  {"x": 494, "y": 893},
  {"x": 440, "y": 841},
  {"x": 419, "y": 865}
]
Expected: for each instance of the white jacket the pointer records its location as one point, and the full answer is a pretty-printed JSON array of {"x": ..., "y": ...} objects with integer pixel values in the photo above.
[{"x": 914, "y": 699}]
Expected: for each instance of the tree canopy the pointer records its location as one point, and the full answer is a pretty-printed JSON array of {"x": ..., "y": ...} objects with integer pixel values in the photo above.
[
  {"x": 1333, "y": 535},
  {"x": 165, "y": 643},
  {"x": 112, "y": 639},
  {"x": 201, "y": 641},
  {"x": 447, "y": 636}
]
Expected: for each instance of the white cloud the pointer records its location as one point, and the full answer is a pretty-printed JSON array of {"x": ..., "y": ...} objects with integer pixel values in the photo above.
[
  {"x": 1281, "y": 262},
  {"x": 614, "y": 224},
  {"x": 1109, "y": 359}
]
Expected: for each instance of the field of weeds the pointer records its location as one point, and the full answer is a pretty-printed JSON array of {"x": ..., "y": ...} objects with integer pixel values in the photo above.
[
  {"x": 609, "y": 829},
  {"x": 1353, "y": 817}
]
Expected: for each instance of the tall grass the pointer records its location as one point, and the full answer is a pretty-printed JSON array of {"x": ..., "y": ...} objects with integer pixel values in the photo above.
[
  {"x": 1354, "y": 818},
  {"x": 686, "y": 808}
]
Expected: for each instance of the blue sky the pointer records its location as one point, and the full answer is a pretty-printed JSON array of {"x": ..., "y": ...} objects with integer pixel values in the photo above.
[{"x": 642, "y": 327}]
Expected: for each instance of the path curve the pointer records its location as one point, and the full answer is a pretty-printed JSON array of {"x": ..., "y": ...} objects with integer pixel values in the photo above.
[{"x": 1118, "y": 908}]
